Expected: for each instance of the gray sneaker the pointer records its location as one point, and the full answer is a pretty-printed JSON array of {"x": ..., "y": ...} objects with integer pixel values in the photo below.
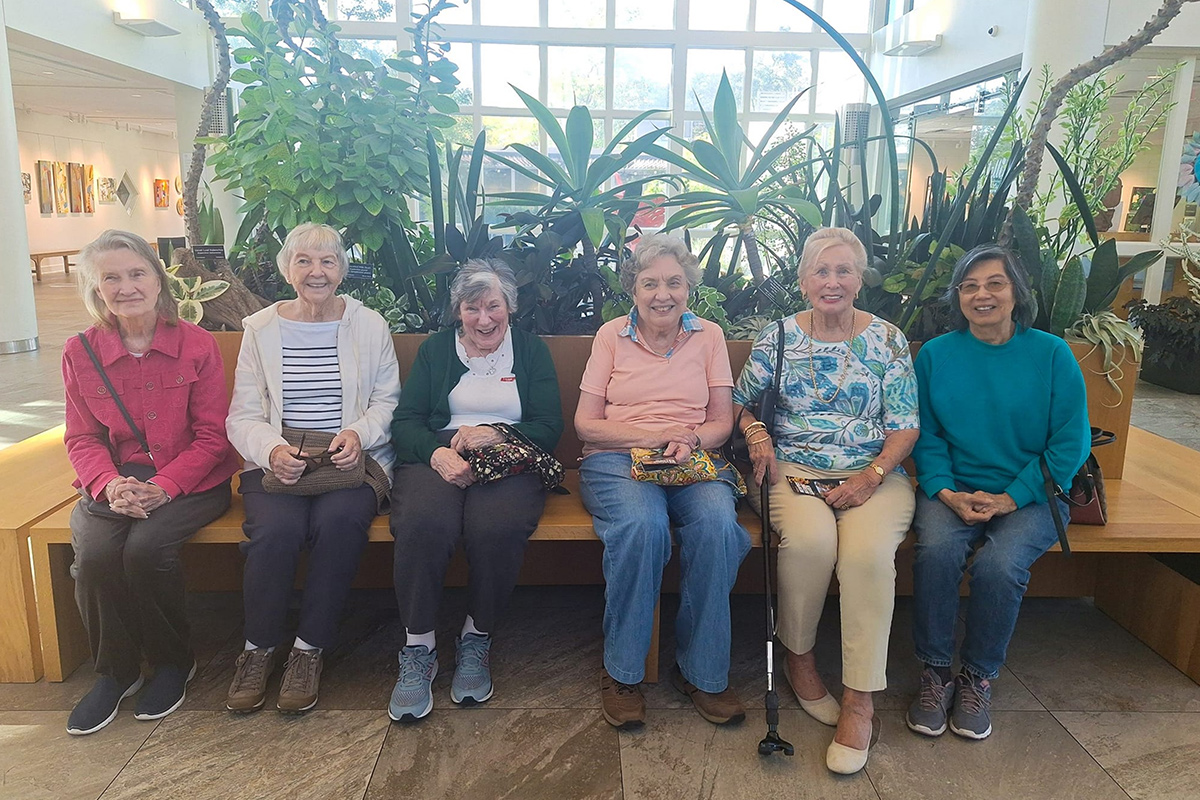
[
  {"x": 928, "y": 713},
  {"x": 412, "y": 697},
  {"x": 972, "y": 715},
  {"x": 472, "y": 673}
]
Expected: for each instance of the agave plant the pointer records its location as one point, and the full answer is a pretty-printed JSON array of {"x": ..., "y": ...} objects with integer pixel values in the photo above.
[
  {"x": 191, "y": 293},
  {"x": 735, "y": 196}
]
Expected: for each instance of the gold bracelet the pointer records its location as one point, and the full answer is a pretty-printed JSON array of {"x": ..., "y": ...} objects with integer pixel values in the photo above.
[
  {"x": 764, "y": 438},
  {"x": 754, "y": 426}
]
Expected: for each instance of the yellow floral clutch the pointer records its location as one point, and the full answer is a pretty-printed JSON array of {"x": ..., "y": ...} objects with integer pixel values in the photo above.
[{"x": 702, "y": 465}]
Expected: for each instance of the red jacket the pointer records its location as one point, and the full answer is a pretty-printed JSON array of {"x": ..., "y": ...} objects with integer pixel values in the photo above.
[{"x": 176, "y": 396}]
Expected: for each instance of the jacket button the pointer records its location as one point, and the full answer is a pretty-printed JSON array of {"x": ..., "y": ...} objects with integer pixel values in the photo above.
[
  {"x": 152, "y": 415},
  {"x": 156, "y": 447},
  {"x": 102, "y": 390},
  {"x": 150, "y": 385},
  {"x": 179, "y": 379}
]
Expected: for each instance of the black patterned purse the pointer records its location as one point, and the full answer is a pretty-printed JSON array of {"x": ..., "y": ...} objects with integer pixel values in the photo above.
[{"x": 514, "y": 456}]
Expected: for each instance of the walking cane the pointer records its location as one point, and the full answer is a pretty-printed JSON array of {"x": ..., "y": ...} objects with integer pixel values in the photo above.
[{"x": 771, "y": 743}]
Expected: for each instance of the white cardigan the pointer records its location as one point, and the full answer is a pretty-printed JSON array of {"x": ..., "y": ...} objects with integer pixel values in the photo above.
[{"x": 370, "y": 384}]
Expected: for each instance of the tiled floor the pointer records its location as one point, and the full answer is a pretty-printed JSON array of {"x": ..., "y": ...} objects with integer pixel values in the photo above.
[{"x": 1082, "y": 710}]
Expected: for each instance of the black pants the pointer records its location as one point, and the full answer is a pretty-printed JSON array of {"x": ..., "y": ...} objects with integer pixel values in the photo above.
[
  {"x": 129, "y": 585},
  {"x": 332, "y": 527},
  {"x": 429, "y": 516}
]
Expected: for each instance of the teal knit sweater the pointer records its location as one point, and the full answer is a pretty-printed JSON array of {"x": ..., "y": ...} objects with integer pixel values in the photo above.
[
  {"x": 424, "y": 407},
  {"x": 988, "y": 412}
]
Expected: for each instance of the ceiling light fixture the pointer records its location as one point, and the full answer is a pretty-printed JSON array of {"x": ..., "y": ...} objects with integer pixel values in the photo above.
[{"x": 144, "y": 27}]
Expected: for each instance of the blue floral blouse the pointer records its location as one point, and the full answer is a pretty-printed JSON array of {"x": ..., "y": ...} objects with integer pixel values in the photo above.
[{"x": 878, "y": 395}]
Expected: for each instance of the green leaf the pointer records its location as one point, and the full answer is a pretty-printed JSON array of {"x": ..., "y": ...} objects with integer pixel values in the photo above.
[
  {"x": 546, "y": 120},
  {"x": 1103, "y": 275},
  {"x": 746, "y": 200},
  {"x": 1132, "y": 267},
  {"x": 210, "y": 290},
  {"x": 593, "y": 224},
  {"x": 1068, "y": 299},
  {"x": 191, "y": 311},
  {"x": 325, "y": 200},
  {"x": 726, "y": 131},
  {"x": 709, "y": 157},
  {"x": 1026, "y": 240},
  {"x": 1081, "y": 203},
  {"x": 580, "y": 132}
]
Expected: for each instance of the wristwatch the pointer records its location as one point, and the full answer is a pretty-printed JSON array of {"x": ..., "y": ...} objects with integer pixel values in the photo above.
[{"x": 878, "y": 470}]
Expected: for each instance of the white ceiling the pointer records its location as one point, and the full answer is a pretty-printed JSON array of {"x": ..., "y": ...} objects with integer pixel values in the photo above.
[{"x": 51, "y": 79}]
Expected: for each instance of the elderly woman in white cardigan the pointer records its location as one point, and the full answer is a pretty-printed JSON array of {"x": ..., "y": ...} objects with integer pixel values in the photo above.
[{"x": 321, "y": 362}]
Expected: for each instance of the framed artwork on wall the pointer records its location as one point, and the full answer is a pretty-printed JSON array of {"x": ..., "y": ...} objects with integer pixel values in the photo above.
[
  {"x": 75, "y": 172},
  {"x": 27, "y": 186},
  {"x": 162, "y": 193},
  {"x": 45, "y": 173},
  {"x": 106, "y": 190},
  {"x": 1141, "y": 209},
  {"x": 89, "y": 189},
  {"x": 62, "y": 195}
]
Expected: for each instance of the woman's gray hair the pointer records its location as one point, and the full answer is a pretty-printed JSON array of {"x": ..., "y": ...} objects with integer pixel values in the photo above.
[
  {"x": 89, "y": 279},
  {"x": 476, "y": 278},
  {"x": 822, "y": 239},
  {"x": 312, "y": 236},
  {"x": 655, "y": 246},
  {"x": 1024, "y": 304}
]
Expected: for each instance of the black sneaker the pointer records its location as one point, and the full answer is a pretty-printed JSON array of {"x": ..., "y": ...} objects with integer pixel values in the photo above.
[
  {"x": 99, "y": 706},
  {"x": 972, "y": 715},
  {"x": 929, "y": 712},
  {"x": 164, "y": 693}
]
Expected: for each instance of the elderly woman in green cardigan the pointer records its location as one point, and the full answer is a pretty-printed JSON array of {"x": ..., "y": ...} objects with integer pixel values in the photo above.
[{"x": 465, "y": 379}]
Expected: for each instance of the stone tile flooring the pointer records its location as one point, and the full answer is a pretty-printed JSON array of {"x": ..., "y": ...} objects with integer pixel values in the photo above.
[{"x": 1083, "y": 710}]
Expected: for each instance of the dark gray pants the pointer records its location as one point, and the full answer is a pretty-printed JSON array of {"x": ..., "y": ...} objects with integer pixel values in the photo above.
[
  {"x": 129, "y": 585},
  {"x": 429, "y": 516},
  {"x": 332, "y": 527}
]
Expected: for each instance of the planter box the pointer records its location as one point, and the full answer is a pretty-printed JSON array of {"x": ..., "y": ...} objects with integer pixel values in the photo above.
[
  {"x": 1108, "y": 408},
  {"x": 1183, "y": 377},
  {"x": 1157, "y": 604}
]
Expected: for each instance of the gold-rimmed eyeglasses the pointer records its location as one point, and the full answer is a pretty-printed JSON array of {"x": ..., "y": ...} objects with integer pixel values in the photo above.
[{"x": 968, "y": 288}]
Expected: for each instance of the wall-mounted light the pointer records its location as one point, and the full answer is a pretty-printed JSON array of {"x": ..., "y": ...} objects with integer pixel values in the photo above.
[
  {"x": 144, "y": 27},
  {"x": 914, "y": 47}
]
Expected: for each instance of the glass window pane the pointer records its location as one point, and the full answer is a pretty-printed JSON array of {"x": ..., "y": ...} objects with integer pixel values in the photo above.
[
  {"x": 656, "y": 15},
  {"x": 704, "y": 74},
  {"x": 779, "y": 75},
  {"x": 373, "y": 50},
  {"x": 838, "y": 82},
  {"x": 503, "y": 131},
  {"x": 370, "y": 10},
  {"x": 576, "y": 14},
  {"x": 461, "y": 55},
  {"x": 641, "y": 78},
  {"x": 776, "y": 15},
  {"x": 719, "y": 15},
  {"x": 457, "y": 15},
  {"x": 508, "y": 12},
  {"x": 502, "y": 64},
  {"x": 234, "y": 8},
  {"x": 576, "y": 77},
  {"x": 848, "y": 16},
  {"x": 643, "y": 127}
]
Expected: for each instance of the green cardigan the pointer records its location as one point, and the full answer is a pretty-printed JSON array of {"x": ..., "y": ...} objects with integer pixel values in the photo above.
[{"x": 425, "y": 399}]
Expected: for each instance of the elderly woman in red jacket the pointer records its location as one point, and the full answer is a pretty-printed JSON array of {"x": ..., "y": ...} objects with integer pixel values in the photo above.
[{"x": 147, "y": 486}]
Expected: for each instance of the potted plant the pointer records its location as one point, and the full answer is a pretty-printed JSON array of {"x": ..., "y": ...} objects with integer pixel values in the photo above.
[{"x": 1172, "y": 328}]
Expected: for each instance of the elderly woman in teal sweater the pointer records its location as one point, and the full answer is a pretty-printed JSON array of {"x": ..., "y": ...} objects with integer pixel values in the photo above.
[
  {"x": 996, "y": 397},
  {"x": 465, "y": 380}
]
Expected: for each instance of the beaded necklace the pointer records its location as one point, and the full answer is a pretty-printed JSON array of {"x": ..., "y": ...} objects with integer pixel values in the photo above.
[{"x": 812, "y": 370}]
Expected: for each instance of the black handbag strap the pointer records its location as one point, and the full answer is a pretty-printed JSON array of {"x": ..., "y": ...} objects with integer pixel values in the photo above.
[
  {"x": 776, "y": 380},
  {"x": 1052, "y": 494},
  {"x": 113, "y": 393}
]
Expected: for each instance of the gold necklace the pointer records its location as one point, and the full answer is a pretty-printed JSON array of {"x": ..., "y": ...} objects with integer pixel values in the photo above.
[{"x": 812, "y": 370}]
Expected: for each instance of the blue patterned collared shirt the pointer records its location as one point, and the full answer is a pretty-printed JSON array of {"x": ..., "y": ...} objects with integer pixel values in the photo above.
[{"x": 689, "y": 323}]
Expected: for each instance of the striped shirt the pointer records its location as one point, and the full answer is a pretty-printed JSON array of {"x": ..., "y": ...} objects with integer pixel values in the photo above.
[{"x": 312, "y": 385}]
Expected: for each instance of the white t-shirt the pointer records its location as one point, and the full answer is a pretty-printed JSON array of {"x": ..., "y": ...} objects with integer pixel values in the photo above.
[{"x": 487, "y": 391}]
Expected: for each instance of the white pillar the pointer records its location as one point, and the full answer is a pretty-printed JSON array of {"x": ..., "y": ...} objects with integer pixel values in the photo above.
[
  {"x": 18, "y": 320},
  {"x": 1174, "y": 134},
  {"x": 1062, "y": 34}
]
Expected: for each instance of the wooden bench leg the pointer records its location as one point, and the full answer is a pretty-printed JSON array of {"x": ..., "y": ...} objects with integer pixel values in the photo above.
[
  {"x": 20, "y": 645},
  {"x": 64, "y": 641},
  {"x": 66, "y": 265},
  {"x": 652, "y": 655}
]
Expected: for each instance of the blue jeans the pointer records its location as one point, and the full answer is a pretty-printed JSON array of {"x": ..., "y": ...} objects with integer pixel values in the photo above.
[
  {"x": 999, "y": 574},
  {"x": 634, "y": 520}
]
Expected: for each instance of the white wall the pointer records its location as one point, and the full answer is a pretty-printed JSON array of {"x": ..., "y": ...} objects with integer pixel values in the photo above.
[
  {"x": 87, "y": 26},
  {"x": 145, "y": 156},
  {"x": 1127, "y": 16},
  {"x": 967, "y": 53}
]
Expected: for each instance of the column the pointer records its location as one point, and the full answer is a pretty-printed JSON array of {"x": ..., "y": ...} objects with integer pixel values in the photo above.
[{"x": 18, "y": 320}]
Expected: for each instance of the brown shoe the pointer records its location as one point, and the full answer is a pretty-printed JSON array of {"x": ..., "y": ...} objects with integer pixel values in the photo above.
[
  {"x": 621, "y": 703},
  {"x": 720, "y": 708},
  {"x": 301, "y": 680},
  {"x": 250, "y": 675}
]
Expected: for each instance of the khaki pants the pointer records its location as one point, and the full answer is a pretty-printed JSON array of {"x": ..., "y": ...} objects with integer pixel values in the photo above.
[{"x": 860, "y": 543}]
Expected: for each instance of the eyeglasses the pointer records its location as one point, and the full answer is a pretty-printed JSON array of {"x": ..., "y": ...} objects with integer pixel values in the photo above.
[
  {"x": 313, "y": 463},
  {"x": 968, "y": 288}
]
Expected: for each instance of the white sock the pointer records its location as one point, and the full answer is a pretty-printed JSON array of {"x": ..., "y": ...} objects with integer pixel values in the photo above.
[
  {"x": 303, "y": 645},
  {"x": 252, "y": 646},
  {"x": 427, "y": 639},
  {"x": 469, "y": 627}
]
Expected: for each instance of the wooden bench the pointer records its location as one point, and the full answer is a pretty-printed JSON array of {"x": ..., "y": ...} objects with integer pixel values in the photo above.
[
  {"x": 1143, "y": 518},
  {"x": 65, "y": 255}
]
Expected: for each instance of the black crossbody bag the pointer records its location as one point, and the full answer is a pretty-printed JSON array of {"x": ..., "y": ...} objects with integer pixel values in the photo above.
[{"x": 143, "y": 472}]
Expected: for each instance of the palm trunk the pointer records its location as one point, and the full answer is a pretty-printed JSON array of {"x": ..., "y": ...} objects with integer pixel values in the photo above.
[
  {"x": 589, "y": 254},
  {"x": 213, "y": 95},
  {"x": 753, "y": 258}
]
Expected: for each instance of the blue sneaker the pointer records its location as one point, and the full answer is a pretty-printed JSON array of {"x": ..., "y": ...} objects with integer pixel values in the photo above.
[
  {"x": 472, "y": 672},
  {"x": 412, "y": 698}
]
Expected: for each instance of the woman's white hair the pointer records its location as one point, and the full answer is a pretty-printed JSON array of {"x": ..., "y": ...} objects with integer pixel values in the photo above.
[
  {"x": 312, "y": 236},
  {"x": 655, "y": 246}
]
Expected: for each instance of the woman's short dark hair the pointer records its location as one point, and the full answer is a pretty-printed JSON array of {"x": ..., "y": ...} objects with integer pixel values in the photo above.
[{"x": 1024, "y": 305}]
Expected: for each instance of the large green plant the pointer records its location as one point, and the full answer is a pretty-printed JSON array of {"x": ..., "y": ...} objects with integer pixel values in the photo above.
[
  {"x": 322, "y": 136},
  {"x": 735, "y": 196}
]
